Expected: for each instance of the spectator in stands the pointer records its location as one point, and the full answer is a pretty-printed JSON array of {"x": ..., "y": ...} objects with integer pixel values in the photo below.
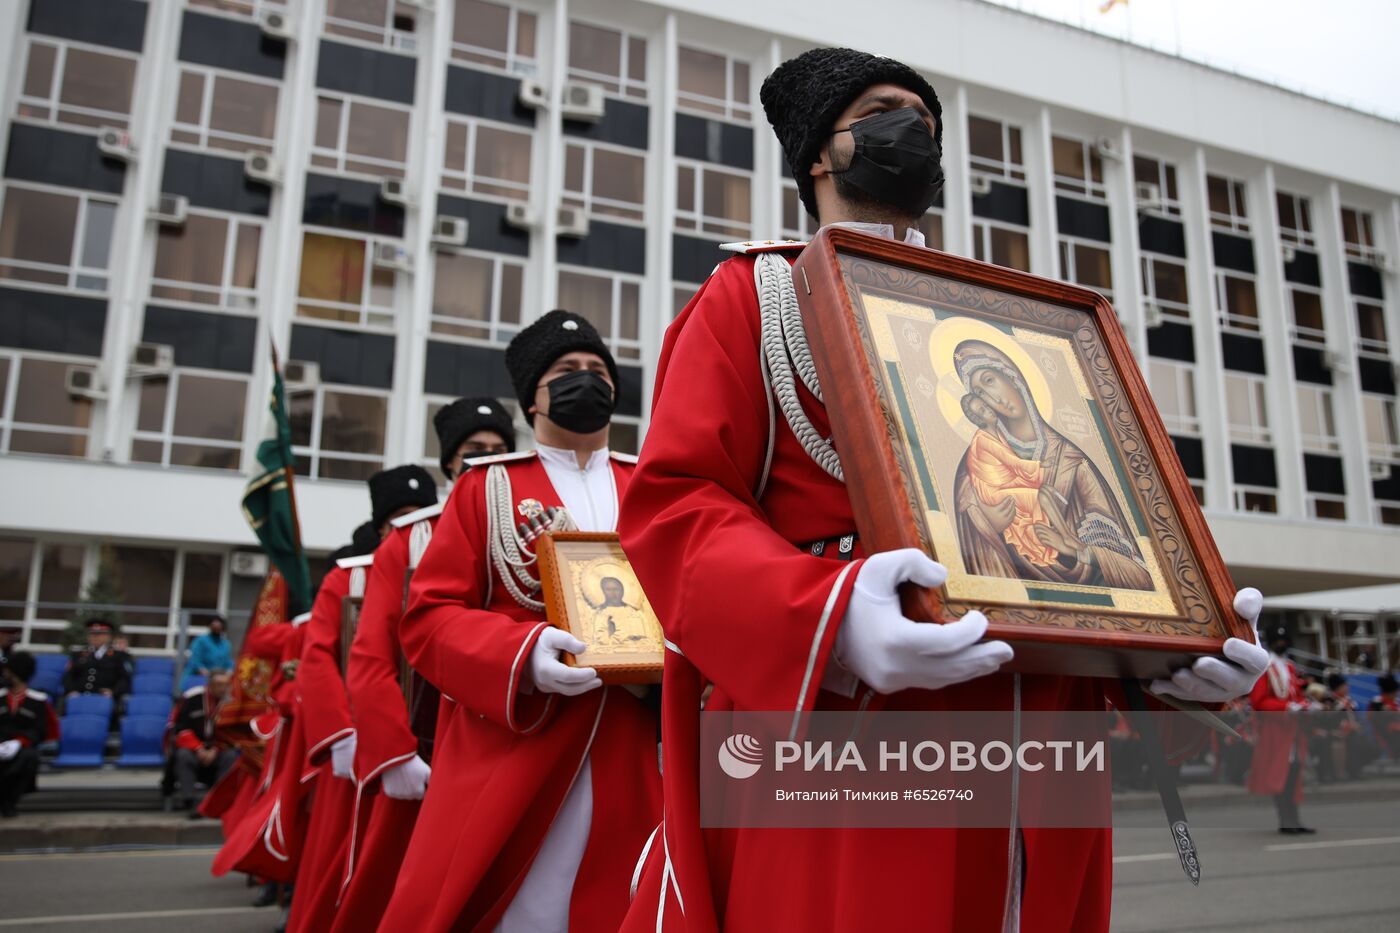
[
  {"x": 26, "y": 719},
  {"x": 1384, "y": 715},
  {"x": 196, "y": 755},
  {"x": 208, "y": 653},
  {"x": 100, "y": 667},
  {"x": 9, "y": 637}
]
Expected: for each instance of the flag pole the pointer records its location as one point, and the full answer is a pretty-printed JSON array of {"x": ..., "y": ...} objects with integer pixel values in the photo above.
[{"x": 289, "y": 469}]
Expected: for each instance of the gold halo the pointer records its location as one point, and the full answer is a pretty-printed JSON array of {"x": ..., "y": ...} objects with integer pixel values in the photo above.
[
  {"x": 591, "y": 582},
  {"x": 945, "y": 339}
]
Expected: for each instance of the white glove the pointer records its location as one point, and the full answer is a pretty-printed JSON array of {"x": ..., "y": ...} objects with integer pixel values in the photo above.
[
  {"x": 9, "y": 749},
  {"x": 551, "y": 675},
  {"x": 891, "y": 652},
  {"x": 407, "y": 781},
  {"x": 1211, "y": 680},
  {"x": 343, "y": 758}
]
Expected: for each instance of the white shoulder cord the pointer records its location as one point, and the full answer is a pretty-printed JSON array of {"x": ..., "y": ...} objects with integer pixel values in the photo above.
[
  {"x": 784, "y": 358},
  {"x": 510, "y": 556}
]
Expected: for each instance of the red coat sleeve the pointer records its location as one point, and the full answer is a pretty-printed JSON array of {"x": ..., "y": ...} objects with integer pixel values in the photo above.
[
  {"x": 475, "y": 656},
  {"x": 1262, "y": 696},
  {"x": 383, "y": 734},
  {"x": 323, "y": 703},
  {"x": 755, "y": 613}
]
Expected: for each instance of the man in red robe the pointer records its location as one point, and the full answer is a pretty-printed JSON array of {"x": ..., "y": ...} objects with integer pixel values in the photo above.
[
  {"x": 1280, "y": 741},
  {"x": 324, "y": 704},
  {"x": 390, "y": 758},
  {"x": 742, "y": 535},
  {"x": 544, "y": 783}
]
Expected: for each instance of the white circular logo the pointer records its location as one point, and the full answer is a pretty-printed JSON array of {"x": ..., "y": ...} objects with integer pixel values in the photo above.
[
  {"x": 570, "y": 325},
  {"x": 412, "y": 483},
  {"x": 740, "y": 756},
  {"x": 483, "y": 409}
]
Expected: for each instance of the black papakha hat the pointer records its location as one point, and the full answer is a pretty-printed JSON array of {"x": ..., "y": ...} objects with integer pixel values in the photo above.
[
  {"x": 1386, "y": 683},
  {"x": 536, "y": 348},
  {"x": 391, "y": 490},
  {"x": 458, "y": 421},
  {"x": 804, "y": 96}
]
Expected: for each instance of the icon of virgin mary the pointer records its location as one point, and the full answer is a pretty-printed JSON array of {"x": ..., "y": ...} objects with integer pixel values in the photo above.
[{"x": 1030, "y": 504}]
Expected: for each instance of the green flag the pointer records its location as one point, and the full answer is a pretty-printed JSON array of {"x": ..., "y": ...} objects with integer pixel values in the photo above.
[{"x": 269, "y": 504}]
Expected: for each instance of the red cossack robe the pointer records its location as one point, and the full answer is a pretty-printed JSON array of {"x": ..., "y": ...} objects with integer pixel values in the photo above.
[
  {"x": 384, "y": 737},
  {"x": 752, "y": 611},
  {"x": 323, "y": 705},
  {"x": 1279, "y": 738},
  {"x": 265, "y": 840},
  {"x": 503, "y": 760}
]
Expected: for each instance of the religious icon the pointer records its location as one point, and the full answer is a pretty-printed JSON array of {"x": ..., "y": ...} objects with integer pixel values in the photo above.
[
  {"x": 592, "y": 592},
  {"x": 1006, "y": 431}
]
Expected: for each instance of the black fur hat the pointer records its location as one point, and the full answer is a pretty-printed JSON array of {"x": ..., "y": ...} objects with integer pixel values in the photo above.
[
  {"x": 804, "y": 96},
  {"x": 391, "y": 490},
  {"x": 536, "y": 348},
  {"x": 458, "y": 421}
]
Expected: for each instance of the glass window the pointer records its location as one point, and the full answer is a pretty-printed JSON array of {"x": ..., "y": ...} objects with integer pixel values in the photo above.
[
  {"x": 995, "y": 147},
  {"x": 1086, "y": 265},
  {"x": 1331, "y": 508},
  {"x": 476, "y": 296},
  {"x": 339, "y": 284},
  {"x": 355, "y": 136},
  {"x": 1294, "y": 218},
  {"x": 487, "y": 159},
  {"x": 144, "y": 578},
  {"x": 608, "y": 57},
  {"x": 55, "y": 238},
  {"x": 250, "y": 8},
  {"x": 191, "y": 419},
  {"x": 1246, "y": 408},
  {"x": 1164, "y": 287},
  {"x": 42, "y": 417},
  {"x": 494, "y": 34},
  {"x": 713, "y": 84},
  {"x": 377, "y": 22},
  {"x": 1317, "y": 425},
  {"x": 16, "y": 563},
  {"x": 60, "y": 577},
  {"x": 604, "y": 181},
  {"x": 66, "y": 83},
  {"x": 1078, "y": 168},
  {"x": 1227, "y": 204},
  {"x": 207, "y": 260},
  {"x": 1004, "y": 246},
  {"x": 1156, "y": 185},
  {"x": 1382, "y": 427},
  {"x": 1174, "y": 389},
  {"x": 611, "y": 303},
  {"x": 219, "y": 111},
  {"x": 1357, "y": 234},
  {"x": 1236, "y": 302},
  {"x": 1255, "y": 500},
  {"x": 1370, "y": 329},
  {"x": 338, "y": 433},
  {"x": 1308, "y": 323},
  {"x": 713, "y": 201}
]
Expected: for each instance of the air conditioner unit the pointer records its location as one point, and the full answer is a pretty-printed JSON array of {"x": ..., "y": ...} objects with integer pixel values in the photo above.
[
  {"x": 1333, "y": 361},
  {"x": 276, "y": 24},
  {"x": 247, "y": 564},
  {"x": 583, "y": 102},
  {"x": 420, "y": 4},
  {"x": 261, "y": 166},
  {"x": 571, "y": 221},
  {"x": 450, "y": 231},
  {"x": 1107, "y": 148},
  {"x": 534, "y": 95},
  {"x": 979, "y": 184},
  {"x": 171, "y": 209},
  {"x": 82, "y": 382},
  {"x": 116, "y": 142},
  {"x": 404, "y": 42},
  {"x": 520, "y": 216},
  {"x": 301, "y": 374},
  {"x": 1380, "y": 469},
  {"x": 1148, "y": 196},
  {"x": 1310, "y": 625},
  {"x": 392, "y": 256},
  {"x": 394, "y": 191},
  {"x": 1381, "y": 261},
  {"x": 1290, "y": 253},
  {"x": 152, "y": 358},
  {"x": 1151, "y": 316}
]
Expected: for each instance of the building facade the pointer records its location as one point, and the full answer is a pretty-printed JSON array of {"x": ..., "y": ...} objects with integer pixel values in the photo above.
[{"x": 388, "y": 190}]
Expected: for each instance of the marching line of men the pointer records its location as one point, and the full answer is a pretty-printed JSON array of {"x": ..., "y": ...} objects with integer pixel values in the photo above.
[{"x": 535, "y": 801}]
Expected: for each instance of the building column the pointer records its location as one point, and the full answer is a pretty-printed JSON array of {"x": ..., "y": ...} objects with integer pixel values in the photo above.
[
  {"x": 1040, "y": 179},
  {"x": 1123, "y": 224},
  {"x": 957, "y": 170},
  {"x": 544, "y": 246},
  {"x": 661, "y": 206}
]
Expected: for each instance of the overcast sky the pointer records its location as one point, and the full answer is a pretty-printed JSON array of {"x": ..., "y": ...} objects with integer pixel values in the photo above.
[{"x": 1341, "y": 50}]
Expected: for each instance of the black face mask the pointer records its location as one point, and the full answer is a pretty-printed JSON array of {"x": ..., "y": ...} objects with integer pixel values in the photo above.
[
  {"x": 895, "y": 163},
  {"x": 581, "y": 402}
]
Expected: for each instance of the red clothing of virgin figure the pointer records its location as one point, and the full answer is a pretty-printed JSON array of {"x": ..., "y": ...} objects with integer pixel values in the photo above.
[
  {"x": 391, "y": 775},
  {"x": 725, "y": 521},
  {"x": 1280, "y": 741},
  {"x": 544, "y": 784}
]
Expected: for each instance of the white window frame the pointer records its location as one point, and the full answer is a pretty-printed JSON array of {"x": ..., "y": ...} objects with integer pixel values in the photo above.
[
  {"x": 1229, "y": 321},
  {"x": 712, "y": 108},
  {"x": 501, "y": 332},
  {"x": 238, "y": 142},
  {"x": 698, "y": 218},
  {"x": 313, "y": 452},
  {"x": 1315, "y": 497},
  {"x": 364, "y": 309},
  {"x": 1310, "y": 336},
  {"x": 1240, "y": 490},
  {"x": 227, "y": 297},
  {"x": 167, "y": 437},
  {"x": 386, "y": 36},
  {"x": 1256, "y": 430},
  {"x": 626, "y": 350},
  {"x": 1237, "y": 220},
  {"x": 52, "y": 102},
  {"x": 1180, "y": 310},
  {"x": 589, "y": 201},
  {"x": 8, "y": 424},
  {"x": 1369, "y": 346},
  {"x": 1066, "y": 261},
  {"x": 1176, "y": 381},
  {"x": 512, "y": 62},
  {"x": 470, "y": 179},
  {"x": 982, "y": 236},
  {"x": 627, "y": 87},
  {"x": 340, "y": 156},
  {"x": 1085, "y": 187},
  {"x": 1016, "y": 171},
  {"x": 239, "y": 9},
  {"x": 79, "y": 278},
  {"x": 1170, "y": 206},
  {"x": 1387, "y": 449},
  {"x": 1365, "y": 250},
  {"x": 1302, "y": 208},
  {"x": 1318, "y": 402}
]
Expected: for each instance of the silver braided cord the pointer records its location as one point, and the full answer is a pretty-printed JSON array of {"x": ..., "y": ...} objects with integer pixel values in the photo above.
[
  {"x": 508, "y": 553},
  {"x": 786, "y": 357}
]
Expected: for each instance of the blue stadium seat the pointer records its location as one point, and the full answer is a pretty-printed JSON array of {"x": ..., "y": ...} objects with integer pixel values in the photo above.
[
  {"x": 195, "y": 680},
  {"x": 148, "y": 704},
  {"x": 50, "y": 682},
  {"x": 160, "y": 684},
  {"x": 164, "y": 666},
  {"x": 89, "y": 704},
  {"x": 142, "y": 741},
  {"x": 81, "y": 741},
  {"x": 51, "y": 662}
]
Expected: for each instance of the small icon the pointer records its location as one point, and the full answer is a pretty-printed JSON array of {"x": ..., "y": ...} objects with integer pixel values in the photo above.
[
  {"x": 530, "y": 508},
  {"x": 740, "y": 756}
]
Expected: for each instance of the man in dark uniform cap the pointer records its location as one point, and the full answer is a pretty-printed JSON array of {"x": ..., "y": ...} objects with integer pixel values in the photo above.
[
  {"x": 472, "y": 427},
  {"x": 99, "y": 668}
]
